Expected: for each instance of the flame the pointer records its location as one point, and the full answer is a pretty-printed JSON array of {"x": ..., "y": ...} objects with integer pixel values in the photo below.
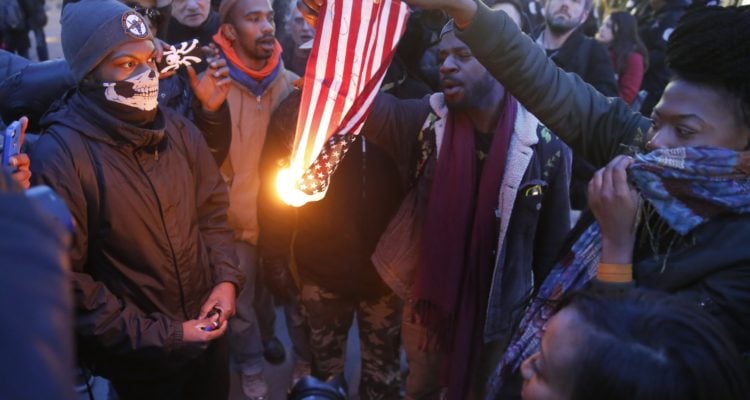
[{"x": 286, "y": 187}]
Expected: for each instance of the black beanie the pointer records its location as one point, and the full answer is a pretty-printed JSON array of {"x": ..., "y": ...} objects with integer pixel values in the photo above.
[{"x": 91, "y": 29}]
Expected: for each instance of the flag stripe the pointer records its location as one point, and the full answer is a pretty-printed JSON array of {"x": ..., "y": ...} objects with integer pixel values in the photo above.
[{"x": 354, "y": 43}]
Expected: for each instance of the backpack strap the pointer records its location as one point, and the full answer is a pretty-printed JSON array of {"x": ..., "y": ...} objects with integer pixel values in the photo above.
[{"x": 87, "y": 171}]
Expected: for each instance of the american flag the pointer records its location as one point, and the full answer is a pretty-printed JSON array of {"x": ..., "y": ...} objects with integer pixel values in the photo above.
[{"x": 354, "y": 44}]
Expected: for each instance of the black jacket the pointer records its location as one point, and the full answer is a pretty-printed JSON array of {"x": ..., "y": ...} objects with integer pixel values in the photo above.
[
  {"x": 588, "y": 59},
  {"x": 151, "y": 238},
  {"x": 336, "y": 235}
]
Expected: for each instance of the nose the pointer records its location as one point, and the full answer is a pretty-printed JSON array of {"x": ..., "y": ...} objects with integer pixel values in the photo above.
[
  {"x": 448, "y": 66},
  {"x": 268, "y": 26},
  {"x": 527, "y": 371},
  {"x": 659, "y": 140}
]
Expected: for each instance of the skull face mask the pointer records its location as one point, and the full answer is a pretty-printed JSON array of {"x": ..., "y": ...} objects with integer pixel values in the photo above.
[{"x": 140, "y": 91}]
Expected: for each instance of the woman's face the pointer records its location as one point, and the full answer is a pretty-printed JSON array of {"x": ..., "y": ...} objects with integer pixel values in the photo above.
[
  {"x": 690, "y": 115},
  {"x": 549, "y": 374},
  {"x": 605, "y": 34}
]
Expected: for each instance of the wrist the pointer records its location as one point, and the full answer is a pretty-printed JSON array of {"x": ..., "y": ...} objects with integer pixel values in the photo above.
[
  {"x": 462, "y": 12},
  {"x": 617, "y": 251}
]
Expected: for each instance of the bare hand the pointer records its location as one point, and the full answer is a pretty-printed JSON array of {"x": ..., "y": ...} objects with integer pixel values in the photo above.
[
  {"x": 615, "y": 205},
  {"x": 194, "y": 331},
  {"x": 21, "y": 162},
  {"x": 212, "y": 87},
  {"x": 223, "y": 298}
]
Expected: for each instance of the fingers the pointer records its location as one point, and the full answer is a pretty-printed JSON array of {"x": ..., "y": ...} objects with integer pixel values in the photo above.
[
  {"x": 23, "y": 178},
  {"x": 24, "y": 124},
  {"x": 207, "y": 307},
  {"x": 192, "y": 78}
]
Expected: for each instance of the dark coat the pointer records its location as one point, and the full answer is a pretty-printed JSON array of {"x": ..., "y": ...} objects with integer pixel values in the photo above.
[
  {"x": 531, "y": 224},
  {"x": 336, "y": 235},
  {"x": 151, "y": 238}
]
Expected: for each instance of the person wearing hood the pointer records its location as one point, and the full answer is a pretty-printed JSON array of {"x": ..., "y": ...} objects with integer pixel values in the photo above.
[{"x": 154, "y": 270}]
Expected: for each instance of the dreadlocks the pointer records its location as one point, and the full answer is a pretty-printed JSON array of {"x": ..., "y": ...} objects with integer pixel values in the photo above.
[{"x": 712, "y": 46}]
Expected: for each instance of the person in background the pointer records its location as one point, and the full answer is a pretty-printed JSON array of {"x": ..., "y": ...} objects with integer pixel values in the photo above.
[
  {"x": 259, "y": 82},
  {"x": 154, "y": 271},
  {"x": 36, "y": 21},
  {"x": 659, "y": 22},
  {"x": 191, "y": 19},
  {"x": 565, "y": 43},
  {"x": 629, "y": 56},
  {"x": 299, "y": 32}
]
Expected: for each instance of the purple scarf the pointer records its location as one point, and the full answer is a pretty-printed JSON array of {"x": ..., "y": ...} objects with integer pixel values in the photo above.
[{"x": 457, "y": 257}]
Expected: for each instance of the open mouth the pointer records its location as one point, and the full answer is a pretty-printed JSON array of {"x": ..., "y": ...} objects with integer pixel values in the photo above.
[{"x": 450, "y": 87}]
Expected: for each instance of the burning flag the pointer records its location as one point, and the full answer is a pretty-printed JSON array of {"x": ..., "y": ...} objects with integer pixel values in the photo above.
[{"x": 355, "y": 42}]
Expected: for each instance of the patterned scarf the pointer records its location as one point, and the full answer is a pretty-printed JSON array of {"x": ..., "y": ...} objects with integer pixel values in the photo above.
[{"x": 685, "y": 186}]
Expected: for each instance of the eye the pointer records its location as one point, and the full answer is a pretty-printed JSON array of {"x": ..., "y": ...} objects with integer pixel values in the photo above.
[{"x": 684, "y": 132}]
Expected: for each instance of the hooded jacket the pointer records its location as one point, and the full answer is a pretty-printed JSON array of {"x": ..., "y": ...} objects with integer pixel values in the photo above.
[{"x": 151, "y": 239}]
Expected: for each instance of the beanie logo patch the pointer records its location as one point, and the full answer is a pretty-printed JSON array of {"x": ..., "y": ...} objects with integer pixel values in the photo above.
[{"x": 134, "y": 25}]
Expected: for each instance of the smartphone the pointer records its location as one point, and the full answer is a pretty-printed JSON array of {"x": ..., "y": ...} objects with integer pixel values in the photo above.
[
  {"x": 11, "y": 142},
  {"x": 214, "y": 325},
  {"x": 180, "y": 55}
]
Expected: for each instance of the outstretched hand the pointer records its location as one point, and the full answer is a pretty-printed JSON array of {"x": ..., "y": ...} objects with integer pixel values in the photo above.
[
  {"x": 615, "y": 203},
  {"x": 212, "y": 87}
]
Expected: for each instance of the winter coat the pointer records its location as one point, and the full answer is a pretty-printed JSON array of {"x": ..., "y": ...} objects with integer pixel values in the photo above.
[
  {"x": 333, "y": 237},
  {"x": 712, "y": 269},
  {"x": 532, "y": 214},
  {"x": 250, "y": 117},
  {"x": 151, "y": 239}
]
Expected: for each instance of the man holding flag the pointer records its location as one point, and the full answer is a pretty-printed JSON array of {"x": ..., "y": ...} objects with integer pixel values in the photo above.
[{"x": 486, "y": 213}]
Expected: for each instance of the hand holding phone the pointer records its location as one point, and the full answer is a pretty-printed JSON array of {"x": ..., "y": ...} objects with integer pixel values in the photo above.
[
  {"x": 11, "y": 142},
  {"x": 215, "y": 312}
]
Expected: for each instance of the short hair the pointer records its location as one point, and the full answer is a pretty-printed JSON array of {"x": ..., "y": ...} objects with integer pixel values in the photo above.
[
  {"x": 711, "y": 46},
  {"x": 653, "y": 346}
]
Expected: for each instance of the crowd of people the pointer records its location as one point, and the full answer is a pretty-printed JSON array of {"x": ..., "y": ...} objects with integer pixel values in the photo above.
[{"x": 448, "y": 233}]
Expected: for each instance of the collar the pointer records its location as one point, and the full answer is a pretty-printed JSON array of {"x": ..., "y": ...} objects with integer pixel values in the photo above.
[{"x": 106, "y": 128}]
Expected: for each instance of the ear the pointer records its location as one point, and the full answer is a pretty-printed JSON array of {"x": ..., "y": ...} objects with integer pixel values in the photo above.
[{"x": 229, "y": 32}]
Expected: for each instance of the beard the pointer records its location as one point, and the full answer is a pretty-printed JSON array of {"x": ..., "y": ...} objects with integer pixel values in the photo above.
[{"x": 560, "y": 24}]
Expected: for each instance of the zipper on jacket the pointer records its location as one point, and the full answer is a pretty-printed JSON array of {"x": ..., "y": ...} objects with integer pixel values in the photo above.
[
  {"x": 156, "y": 154},
  {"x": 259, "y": 106},
  {"x": 169, "y": 241}
]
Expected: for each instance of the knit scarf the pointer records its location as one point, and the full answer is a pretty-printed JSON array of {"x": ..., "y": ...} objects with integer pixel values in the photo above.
[
  {"x": 457, "y": 254},
  {"x": 685, "y": 186},
  {"x": 255, "y": 81}
]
